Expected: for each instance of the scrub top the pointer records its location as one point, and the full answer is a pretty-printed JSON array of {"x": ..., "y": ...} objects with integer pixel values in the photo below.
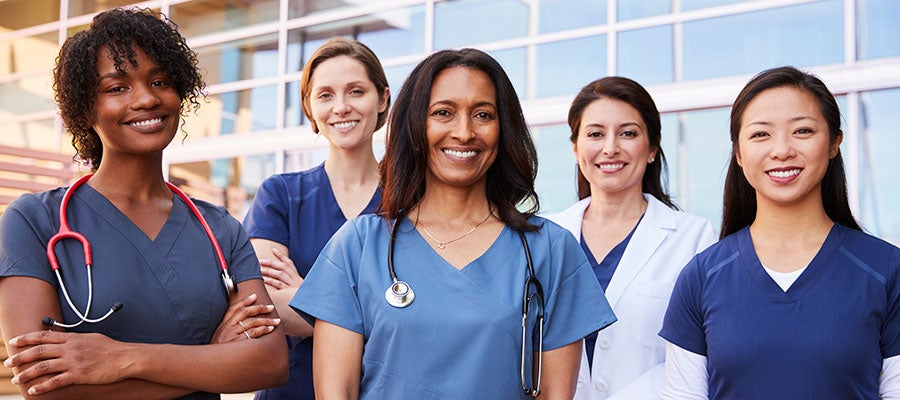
[
  {"x": 825, "y": 337},
  {"x": 299, "y": 211},
  {"x": 170, "y": 288},
  {"x": 461, "y": 336}
]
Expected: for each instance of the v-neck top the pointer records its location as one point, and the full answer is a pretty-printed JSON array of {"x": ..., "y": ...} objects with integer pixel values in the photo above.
[
  {"x": 825, "y": 337},
  {"x": 298, "y": 210},
  {"x": 461, "y": 336},
  {"x": 170, "y": 287}
]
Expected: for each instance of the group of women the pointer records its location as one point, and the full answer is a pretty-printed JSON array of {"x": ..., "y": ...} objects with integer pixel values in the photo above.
[{"x": 428, "y": 274}]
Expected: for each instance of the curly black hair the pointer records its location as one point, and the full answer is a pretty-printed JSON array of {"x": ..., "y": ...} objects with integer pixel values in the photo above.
[{"x": 76, "y": 78}]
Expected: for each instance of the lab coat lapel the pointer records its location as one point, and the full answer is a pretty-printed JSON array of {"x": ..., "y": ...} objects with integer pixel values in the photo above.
[{"x": 647, "y": 238}]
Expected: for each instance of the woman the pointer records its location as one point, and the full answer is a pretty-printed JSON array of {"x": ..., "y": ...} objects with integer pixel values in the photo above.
[
  {"x": 425, "y": 299},
  {"x": 122, "y": 86},
  {"x": 634, "y": 237},
  {"x": 794, "y": 301},
  {"x": 345, "y": 95}
]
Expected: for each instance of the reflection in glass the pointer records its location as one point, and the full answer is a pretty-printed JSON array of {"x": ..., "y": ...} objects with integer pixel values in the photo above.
[
  {"x": 30, "y": 53},
  {"x": 468, "y": 22},
  {"x": 751, "y": 42},
  {"x": 559, "y": 15},
  {"x": 630, "y": 9},
  {"x": 396, "y": 75},
  {"x": 301, "y": 8},
  {"x": 556, "y": 185},
  {"x": 243, "y": 111},
  {"x": 18, "y": 14},
  {"x": 707, "y": 141},
  {"x": 255, "y": 57},
  {"x": 563, "y": 68},
  {"x": 389, "y": 34},
  {"x": 300, "y": 160},
  {"x": 687, "y": 5},
  {"x": 81, "y": 7},
  {"x": 878, "y": 144},
  {"x": 26, "y": 96},
  {"x": 646, "y": 55},
  {"x": 39, "y": 135},
  {"x": 513, "y": 62},
  {"x": 877, "y": 28},
  {"x": 210, "y": 16},
  {"x": 229, "y": 182},
  {"x": 293, "y": 113},
  {"x": 670, "y": 141}
]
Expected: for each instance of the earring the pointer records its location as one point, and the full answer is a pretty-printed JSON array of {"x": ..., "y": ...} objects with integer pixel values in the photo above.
[{"x": 651, "y": 160}]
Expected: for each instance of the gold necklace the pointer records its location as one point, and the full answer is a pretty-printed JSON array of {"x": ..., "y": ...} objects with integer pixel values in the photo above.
[{"x": 442, "y": 244}]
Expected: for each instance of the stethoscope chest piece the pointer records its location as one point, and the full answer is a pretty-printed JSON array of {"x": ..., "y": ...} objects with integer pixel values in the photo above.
[
  {"x": 228, "y": 281},
  {"x": 399, "y": 294}
]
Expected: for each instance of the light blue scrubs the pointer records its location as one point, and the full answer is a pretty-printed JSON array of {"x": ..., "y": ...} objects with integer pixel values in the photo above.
[
  {"x": 461, "y": 337},
  {"x": 170, "y": 287}
]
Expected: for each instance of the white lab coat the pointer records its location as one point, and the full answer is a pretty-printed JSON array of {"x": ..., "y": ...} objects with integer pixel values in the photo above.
[{"x": 629, "y": 356}]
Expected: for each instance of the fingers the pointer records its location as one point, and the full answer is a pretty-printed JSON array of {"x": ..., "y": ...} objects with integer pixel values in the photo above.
[
  {"x": 39, "y": 337},
  {"x": 36, "y": 353},
  {"x": 56, "y": 382},
  {"x": 257, "y": 327},
  {"x": 274, "y": 277}
]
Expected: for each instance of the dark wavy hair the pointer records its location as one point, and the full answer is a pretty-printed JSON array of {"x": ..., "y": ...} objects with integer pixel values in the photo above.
[
  {"x": 341, "y": 46},
  {"x": 76, "y": 78},
  {"x": 655, "y": 179},
  {"x": 510, "y": 179},
  {"x": 739, "y": 203}
]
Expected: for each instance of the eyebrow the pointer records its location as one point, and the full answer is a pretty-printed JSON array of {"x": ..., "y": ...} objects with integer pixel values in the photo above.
[
  {"x": 117, "y": 74},
  {"x": 453, "y": 103},
  {"x": 795, "y": 119},
  {"x": 629, "y": 123}
]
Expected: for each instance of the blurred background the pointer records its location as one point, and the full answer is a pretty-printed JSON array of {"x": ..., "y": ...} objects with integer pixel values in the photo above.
[{"x": 692, "y": 55}]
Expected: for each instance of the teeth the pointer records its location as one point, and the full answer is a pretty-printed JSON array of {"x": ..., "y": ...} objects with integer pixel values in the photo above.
[
  {"x": 147, "y": 122},
  {"x": 611, "y": 167},
  {"x": 345, "y": 125},
  {"x": 462, "y": 154},
  {"x": 784, "y": 174}
]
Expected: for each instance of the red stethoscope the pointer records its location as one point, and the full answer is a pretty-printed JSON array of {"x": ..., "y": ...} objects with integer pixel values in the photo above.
[{"x": 67, "y": 233}]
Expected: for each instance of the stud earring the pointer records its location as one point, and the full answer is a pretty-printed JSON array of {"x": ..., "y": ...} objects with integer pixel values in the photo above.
[{"x": 651, "y": 160}]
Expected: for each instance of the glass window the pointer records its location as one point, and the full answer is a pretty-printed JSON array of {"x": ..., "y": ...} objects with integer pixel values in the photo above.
[
  {"x": 878, "y": 144},
  {"x": 563, "y": 68},
  {"x": 31, "y": 53},
  {"x": 26, "y": 96},
  {"x": 670, "y": 142},
  {"x": 396, "y": 76},
  {"x": 467, "y": 22},
  {"x": 293, "y": 112},
  {"x": 40, "y": 135},
  {"x": 243, "y": 111},
  {"x": 630, "y": 9},
  {"x": 389, "y": 34},
  {"x": 560, "y": 15},
  {"x": 556, "y": 184},
  {"x": 81, "y": 7},
  {"x": 18, "y": 14},
  {"x": 229, "y": 182},
  {"x": 209, "y": 16},
  {"x": 300, "y": 8},
  {"x": 878, "y": 29},
  {"x": 707, "y": 149},
  {"x": 255, "y": 57},
  {"x": 687, "y": 5},
  {"x": 751, "y": 42},
  {"x": 646, "y": 55},
  {"x": 299, "y": 160},
  {"x": 513, "y": 62}
]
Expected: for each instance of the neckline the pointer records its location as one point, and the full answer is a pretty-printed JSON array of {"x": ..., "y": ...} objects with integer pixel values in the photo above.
[{"x": 422, "y": 241}]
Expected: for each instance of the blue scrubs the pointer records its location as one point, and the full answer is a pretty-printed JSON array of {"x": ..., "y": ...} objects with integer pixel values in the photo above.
[
  {"x": 170, "y": 287},
  {"x": 299, "y": 211},
  {"x": 461, "y": 337},
  {"x": 824, "y": 338}
]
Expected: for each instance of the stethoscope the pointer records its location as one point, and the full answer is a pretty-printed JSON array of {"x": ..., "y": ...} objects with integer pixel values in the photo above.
[
  {"x": 65, "y": 232},
  {"x": 399, "y": 294}
]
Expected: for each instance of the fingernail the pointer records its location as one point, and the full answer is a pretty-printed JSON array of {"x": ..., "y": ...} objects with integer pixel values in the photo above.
[
  {"x": 7, "y": 362},
  {"x": 270, "y": 307},
  {"x": 15, "y": 380},
  {"x": 252, "y": 296},
  {"x": 32, "y": 391},
  {"x": 270, "y": 328},
  {"x": 276, "y": 251},
  {"x": 14, "y": 341},
  {"x": 277, "y": 321}
]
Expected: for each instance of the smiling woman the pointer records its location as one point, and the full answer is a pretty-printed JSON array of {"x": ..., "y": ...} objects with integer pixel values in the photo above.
[
  {"x": 157, "y": 256},
  {"x": 459, "y": 160}
]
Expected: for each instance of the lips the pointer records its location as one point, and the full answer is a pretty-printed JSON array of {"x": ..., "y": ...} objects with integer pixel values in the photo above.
[
  {"x": 146, "y": 122},
  {"x": 344, "y": 125}
]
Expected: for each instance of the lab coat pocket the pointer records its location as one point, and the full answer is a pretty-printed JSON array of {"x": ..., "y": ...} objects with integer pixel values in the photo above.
[{"x": 649, "y": 307}]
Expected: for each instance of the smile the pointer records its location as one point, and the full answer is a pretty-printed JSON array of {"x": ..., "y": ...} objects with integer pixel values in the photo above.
[
  {"x": 152, "y": 121},
  {"x": 345, "y": 125},
  {"x": 611, "y": 167},
  {"x": 460, "y": 154},
  {"x": 784, "y": 174}
]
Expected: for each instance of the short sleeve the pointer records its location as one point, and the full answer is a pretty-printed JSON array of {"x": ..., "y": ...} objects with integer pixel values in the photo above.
[
  {"x": 890, "y": 335},
  {"x": 23, "y": 251},
  {"x": 683, "y": 322},
  {"x": 244, "y": 264},
  {"x": 268, "y": 215},
  {"x": 329, "y": 291},
  {"x": 575, "y": 306}
]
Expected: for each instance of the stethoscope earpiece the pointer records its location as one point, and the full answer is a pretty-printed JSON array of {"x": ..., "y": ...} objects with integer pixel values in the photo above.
[{"x": 399, "y": 294}]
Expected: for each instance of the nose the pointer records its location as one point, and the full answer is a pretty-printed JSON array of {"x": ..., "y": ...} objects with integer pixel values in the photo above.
[
  {"x": 464, "y": 131},
  {"x": 341, "y": 106},
  {"x": 145, "y": 97},
  {"x": 782, "y": 147},
  {"x": 610, "y": 145}
]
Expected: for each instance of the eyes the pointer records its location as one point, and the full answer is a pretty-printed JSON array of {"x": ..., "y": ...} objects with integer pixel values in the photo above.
[
  {"x": 327, "y": 94},
  {"x": 445, "y": 114},
  {"x": 596, "y": 133},
  {"x": 117, "y": 87},
  {"x": 802, "y": 132}
]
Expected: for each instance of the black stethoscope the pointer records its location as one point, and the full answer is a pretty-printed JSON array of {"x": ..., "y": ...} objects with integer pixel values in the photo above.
[
  {"x": 399, "y": 294},
  {"x": 65, "y": 232}
]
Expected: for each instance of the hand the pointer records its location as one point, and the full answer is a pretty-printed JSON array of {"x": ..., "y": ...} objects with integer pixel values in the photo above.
[
  {"x": 280, "y": 273},
  {"x": 64, "y": 358},
  {"x": 244, "y": 320}
]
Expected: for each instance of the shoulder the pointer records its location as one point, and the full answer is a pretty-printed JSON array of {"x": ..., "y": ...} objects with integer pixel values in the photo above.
[
  {"x": 666, "y": 217},
  {"x": 35, "y": 208},
  {"x": 570, "y": 218},
  {"x": 720, "y": 255},
  {"x": 869, "y": 252}
]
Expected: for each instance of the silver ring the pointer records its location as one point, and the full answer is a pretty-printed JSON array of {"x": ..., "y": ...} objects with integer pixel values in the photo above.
[
  {"x": 247, "y": 335},
  {"x": 242, "y": 325}
]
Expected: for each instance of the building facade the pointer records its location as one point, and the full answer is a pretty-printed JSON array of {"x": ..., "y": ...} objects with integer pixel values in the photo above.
[{"x": 692, "y": 55}]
